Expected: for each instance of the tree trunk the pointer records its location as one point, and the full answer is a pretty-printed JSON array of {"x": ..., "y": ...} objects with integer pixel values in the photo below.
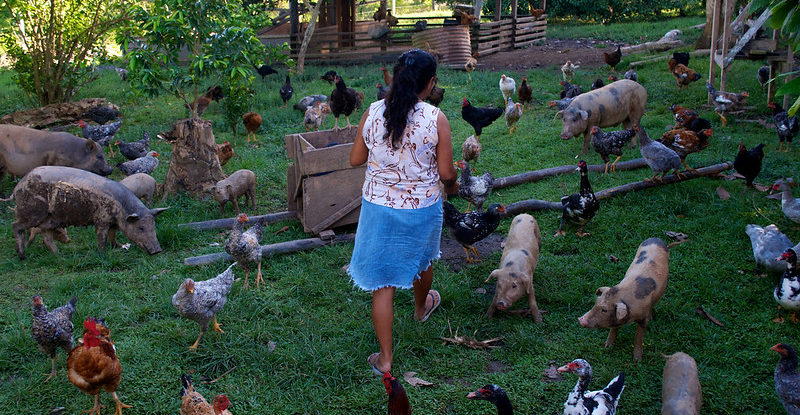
[
  {"x": 704, "y": 42},
  {"x": 301, "y": 56},
  {"x": 194, "y": 166}
]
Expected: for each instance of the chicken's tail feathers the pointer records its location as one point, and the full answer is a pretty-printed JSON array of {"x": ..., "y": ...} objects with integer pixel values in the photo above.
[
  {"x": 72, "y": 302},
  {"x": 616, "y": 386},
  {"x": 186, "y": 381}
]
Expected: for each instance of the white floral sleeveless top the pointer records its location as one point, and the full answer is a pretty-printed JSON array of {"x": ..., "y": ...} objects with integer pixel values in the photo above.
[{"x": 406, "y": 178}]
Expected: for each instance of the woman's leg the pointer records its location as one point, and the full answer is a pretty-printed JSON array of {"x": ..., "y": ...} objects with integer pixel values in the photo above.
[
  {"x": 422, "y": 301},
  {"x": 382, "y": 320}
]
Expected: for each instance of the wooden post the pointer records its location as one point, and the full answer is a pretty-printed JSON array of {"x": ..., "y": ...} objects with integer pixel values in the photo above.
[
  {"x": 713, "y": 49},
  {"x": 726, "y": 38},
  {"x": 498, "y": 7},
  {"x": 513, "y": 23},
  {"x": 294, "y": 25},
  {"x": 787, "y": 68},
  {"x": 544, "y": 5},
  {"x": 477, "y": 6},
  {"x": 773, "y": 71}
]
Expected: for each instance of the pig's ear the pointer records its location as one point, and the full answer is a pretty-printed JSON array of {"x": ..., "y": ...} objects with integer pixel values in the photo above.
[
  {"x": 622, "y": 311},
  {"x": 90, "y": 145},
  {"x": 559, "y": 114},
  {"x": 133, "y": 217},
  {"x": 600, "y": 291},
  {"x": 583, "y": 114},
  {"x": 157, "y": 211},
  {"x": 493, "y": 274}
]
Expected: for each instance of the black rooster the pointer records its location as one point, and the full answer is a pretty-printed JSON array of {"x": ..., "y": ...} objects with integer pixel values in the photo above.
[
  {"x": 748, "y": 162},
  {"x": 786, "y": 126},
  {"x": 611, "y": 142},
  {"x": 763, "y": 76},
  {"x": 570, "y": 90},
  {"x": 329, "y": 76},
  {"x": 479, "y": 117},
  {"x": 343, "y": 100},
  {"x": 287, "y": 91},
  {"x": 264, "y": 70},
  {"x": 597, "y": 84},
  {"x": 579, "y": 208},
  {"x": 101, "y": 114},
  {"x": 468, "y": 228},
  {"x": 681, "y": 58}
]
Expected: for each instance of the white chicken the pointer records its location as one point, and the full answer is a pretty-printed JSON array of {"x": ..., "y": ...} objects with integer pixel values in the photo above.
[
  {"x": 507, "y": 87},
  {"x": 568, "y": 70},
  {"x": 513, "y": 114}
]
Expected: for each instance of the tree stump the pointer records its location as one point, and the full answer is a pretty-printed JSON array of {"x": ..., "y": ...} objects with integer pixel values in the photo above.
[{"x": 194, "y": 166}]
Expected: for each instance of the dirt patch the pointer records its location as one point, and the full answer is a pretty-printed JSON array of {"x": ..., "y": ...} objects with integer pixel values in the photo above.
[
  {"x": 456, "y": 381},
  {"x": 453, "y": 253},
  {"x": 552, "y": 52},
  {"x": 496, "y": 366}
]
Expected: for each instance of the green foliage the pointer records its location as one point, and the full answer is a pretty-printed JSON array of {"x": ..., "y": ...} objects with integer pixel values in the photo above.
[
  {"x": 616, "y": 10},
  {"x": 237, "y": 101},
  {"x": 53, "y": 43},
  {"x": 785, "y": 17}
]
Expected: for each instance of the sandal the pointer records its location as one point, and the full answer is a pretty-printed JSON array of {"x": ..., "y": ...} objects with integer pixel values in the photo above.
[
  {"x": 437, "y": 299},
  {"x": 374, "y": 358}
]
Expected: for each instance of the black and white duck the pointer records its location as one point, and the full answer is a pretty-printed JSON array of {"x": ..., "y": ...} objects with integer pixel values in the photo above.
[
  {"x": 495, "y": 395},
  {"x": 787, "y": 292},
  {"x": 581, "y": 401}
]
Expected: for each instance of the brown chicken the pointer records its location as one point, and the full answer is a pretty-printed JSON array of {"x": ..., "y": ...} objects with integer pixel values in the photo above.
[
  {"x": 252, "y": 122},
  {"x": 471, "y": 64},
  {"x": 387, "y": 77},
  {"x": 682, "y": 73},
  {"x": 391, "y": 20},
  {"x": 224, "y": 152},
  {"x": 202, "y": 102},
  {"x": 537, "y": 13},
  {"x": 93, "y": 364},
  {"x": 613, "y": 58},
  {"x": 685, "y": 142},
  {"x": 52, "y": 330},
  {"x": 471, "y": 150},
  {"x": 343, "y": 101},
  {"x": 683, "y": 116},
  {"x": 525, "y": 92},
  {"x": 193, "y": 403},
  {"x": 436, "y": 96},
  {"x": 464, "y": 18}
]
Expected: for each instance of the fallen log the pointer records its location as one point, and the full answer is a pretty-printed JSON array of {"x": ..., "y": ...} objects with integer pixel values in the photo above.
[
  {"x": 536, "y": 175},
  {"x": 55, "y": 114},
  {"x": 536, "y": 204},
  {"x": 698, "y": 52},
  {"x": 228, "y": 222},
  {"x": 272, "y": 249}
]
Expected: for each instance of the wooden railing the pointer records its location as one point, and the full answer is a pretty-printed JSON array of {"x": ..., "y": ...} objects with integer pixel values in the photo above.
[{"x": 509, "y": 33}]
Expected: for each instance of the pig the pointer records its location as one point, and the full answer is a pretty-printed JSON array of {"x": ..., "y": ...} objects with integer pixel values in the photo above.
[
  {"x": 515, "y": 275},
  {"x": 681, "y": 393},
  {"x": 59, "y": 234},
  {"x": 52, "y": 197},
  {"x": 633, "y": 299},
  {"x": 241, "y": 182},
  {"x": 23, "y": 149},
  {"x": 142, "y": 185},
  {"x": 622, "y": 101}
]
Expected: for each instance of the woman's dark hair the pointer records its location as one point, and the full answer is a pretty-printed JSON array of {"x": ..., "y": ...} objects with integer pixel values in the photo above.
[{"x": 413, "y": 71}]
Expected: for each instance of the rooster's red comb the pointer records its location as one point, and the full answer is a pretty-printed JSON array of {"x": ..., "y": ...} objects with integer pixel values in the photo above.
[{"x": 90, "y": 324}]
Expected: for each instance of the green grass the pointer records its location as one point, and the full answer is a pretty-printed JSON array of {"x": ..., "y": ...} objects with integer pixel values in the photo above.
[
  {"x": 629, "y": 32},
  {"x": 321, "y": 325}
]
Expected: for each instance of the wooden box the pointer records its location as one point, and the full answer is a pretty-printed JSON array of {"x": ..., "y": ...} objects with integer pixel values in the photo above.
[{"x": 321, "y": 186}]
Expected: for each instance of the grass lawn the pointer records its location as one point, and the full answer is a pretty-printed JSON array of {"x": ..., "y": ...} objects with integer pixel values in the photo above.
[{"x": 321, "y": 325}]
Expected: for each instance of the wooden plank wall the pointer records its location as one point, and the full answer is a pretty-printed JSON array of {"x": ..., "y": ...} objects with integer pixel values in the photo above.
[{"x": 508, "y": 34}]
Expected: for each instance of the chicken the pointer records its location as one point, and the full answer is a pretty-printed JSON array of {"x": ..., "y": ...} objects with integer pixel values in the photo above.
[
  {"x": 768, "y": 245},
  {"x": 53, "y": 329},
  {"x": 437, "y": 56},
  {"x": 598, "y": 83},
  {"x": 398, "y": 400},
  {"x": 309, "y": 101},
  {"x": 464, "y": 18},
  {"x": 193, "y": 403},
  {"x": 613, "y": 78},
  {"x": 387, "y": 77},
  {"x": 471, "y": 64},
  {"x": 474, "y": 189},
  {"x": 685, "y": 142},
  {"x": 507, "y": 87},
  {"x": 570, "y": 90},
  {"x": 391, "y": 20},
  {"x": 379, "y": 14},
  {"x": 787, "y": 292},
  {"x": 513, "y": 114},
  {"x": 252, "y": 122},
  {"x": 471, "y": 150},
  {"x": 286, "y": 91},
  {"x": 200, "y": 301},
  {"x": 786, "y": 126},
  {"x": 136, "y": 149},
  {"x": 611, "y": 142},
  {"x": 420, "y": 25},
  {"x": 479, "y": 118},
  {"x": 93, "y": 365},
  {"x": 525, "y": 92},
  {"x": 315, "y": 116},
  {"x": 631, "y": 75},
  {"x": 224, "y": 152},
  {"x": 658, "y": 157},
  {"x": 681, "y": 58},
  {"x": 613, "y": 58},
  {"x": 789, "y": 205},
  {"x": 101, "y": 114},
  {"x": 683, "y": 116},
  {"x": 748, "y": 162},
  {"x": 329, "y": 76},
  {"x": 581, "y": 401},
  {"x": 787, "y": 378},
  {"x": 343, "y": 100},
  {"x": 763, "y": 76},
  {"x": 383, "y": 91},
  {"x": 203, "y": 101},
  {"x": 561, "y": 104},
  {"x": 568, "y": 70},
  {"x": 495, "y": 395},
  {"x": 264, "y": 70},
  {"x": 101, "y": 134},
  {"x": 244, "y": 247},
  {"x": 537, "y": 13},
  {"x": 436, "y": 96},
  {"x": 215, "y": 93},
  {"x": 682, "y": 73},
  {"x": 146, "y": 164},
  {"x": 468, "y": 228},
  {"x": 579, "y": 208},
  {"x": 725, "y": 101}
]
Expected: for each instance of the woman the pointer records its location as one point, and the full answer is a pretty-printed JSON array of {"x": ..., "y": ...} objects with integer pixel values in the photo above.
[{"x": 406, "y": 145}]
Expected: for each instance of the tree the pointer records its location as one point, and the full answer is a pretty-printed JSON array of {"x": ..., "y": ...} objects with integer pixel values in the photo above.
[
  {"x": 53, "y": 42},
  {"x": 786, "y": 17}
]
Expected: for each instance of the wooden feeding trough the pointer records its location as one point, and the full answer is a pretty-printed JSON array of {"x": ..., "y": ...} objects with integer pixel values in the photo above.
[{"x": 321, "y": 186}]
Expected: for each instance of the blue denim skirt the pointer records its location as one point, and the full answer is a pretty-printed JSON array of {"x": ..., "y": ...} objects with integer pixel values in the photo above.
[{"x": 393, "y": 246}]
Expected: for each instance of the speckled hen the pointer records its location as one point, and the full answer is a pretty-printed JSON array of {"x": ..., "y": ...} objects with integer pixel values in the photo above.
[
  {"x": 201, "y": 300},
  {"x": 52, "y": 330}
]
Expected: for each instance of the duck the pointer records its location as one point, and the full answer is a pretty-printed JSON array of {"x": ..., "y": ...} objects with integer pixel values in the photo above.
[
  {"x": 789, "y": 205},
  {"x": 579, "y": 208},
  {"x": 495, "y": 395},
  {"x": 583, "y": 402},
  {"x": 768, "y": 244},
  {"x": 787, "y": 292}
]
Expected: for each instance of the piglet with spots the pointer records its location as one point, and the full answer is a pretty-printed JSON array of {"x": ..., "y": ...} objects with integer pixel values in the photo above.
[
  {"x": 515, "y": 275},
  {"x": 633, "y": 299}
]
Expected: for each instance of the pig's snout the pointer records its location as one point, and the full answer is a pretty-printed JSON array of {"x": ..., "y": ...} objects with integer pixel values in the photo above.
[
  {"x": 501, "y": 305},
  {"x": 565, "y": 136},
  {"x": 583, "y": 321},
  {"x": 152, "y": 250},
  {"x": 105, "y": 170}
]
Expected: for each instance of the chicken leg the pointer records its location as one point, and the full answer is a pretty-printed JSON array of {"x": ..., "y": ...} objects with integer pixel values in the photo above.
[
  {"x": 779, "y": 319},
  {"x": 614, "y": 164},
  {"x": 780, "y": 147},
  {"x": 687, "y": 167},
  {"x": 581, "y": 233},
  {"x": 246, "y": 276},
  {"x": 467, "y": 250},
  {"x": 347, "y": 118},
  {"x": 722, "y": 117},
  {"x": 259, "y": 277},
  {"x": 119, "y": 404},
  {"x": 52, "y": 373},
  {"x": 197, "y": 342},
  {"x": 788, "y": 143},
  {"x": 216, "y": 325},
  {"x": 97, "y": 407},
  {"x": 336, "y": 124}
]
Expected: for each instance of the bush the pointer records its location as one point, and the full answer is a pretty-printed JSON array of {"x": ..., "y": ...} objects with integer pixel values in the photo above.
[{"x": 603, "y": 10}]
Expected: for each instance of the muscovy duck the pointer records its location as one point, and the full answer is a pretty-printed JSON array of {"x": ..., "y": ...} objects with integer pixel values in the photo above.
[
  {"x": 768, "y": 244},
  {"x": 579, "y": 208},
  {"x": 787, "y": 378},
  {"x": 583, "y": 402},
  {"x": 789, "y": 205},
  {"x": 787, "y": 292},
  {"x": 473, "y": 189},
  {"x": 468, "y": 228},
  {"x": 495, "y": 395}
]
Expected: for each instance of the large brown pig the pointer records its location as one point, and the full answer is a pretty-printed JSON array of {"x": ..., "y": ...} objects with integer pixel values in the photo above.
[
  {"x": 515, "y": 275},
  {"x": 622, "y": 101},
  {"x": 633, "y": 299},
  {"x": 681, "y": 393},
  {"x": 23, "y": 149},
  {"x": 52, "y": 197}
]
